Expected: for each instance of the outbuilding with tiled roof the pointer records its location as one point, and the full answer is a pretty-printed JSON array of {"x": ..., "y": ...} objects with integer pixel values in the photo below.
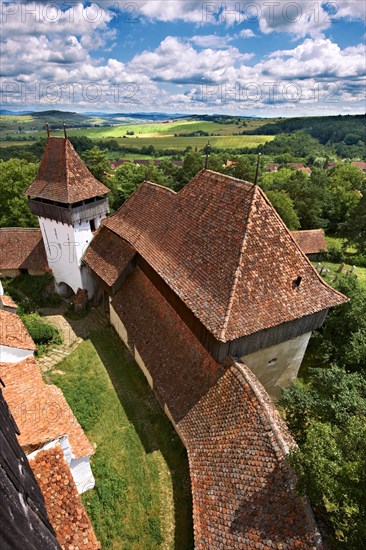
[
  {"x": 311, "y": 241},
  {"x": 22, "y": 250}
]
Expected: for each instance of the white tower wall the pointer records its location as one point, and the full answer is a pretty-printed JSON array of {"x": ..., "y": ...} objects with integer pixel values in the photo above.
[{"x": 65, "y": 245}]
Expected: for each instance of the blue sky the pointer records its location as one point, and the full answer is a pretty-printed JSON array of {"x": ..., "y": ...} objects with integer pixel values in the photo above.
[{"x": 263, "y": 58}]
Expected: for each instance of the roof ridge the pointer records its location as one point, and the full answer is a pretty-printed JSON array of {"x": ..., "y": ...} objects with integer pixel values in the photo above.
[
  {"x": 238, "y": 268},
  {"x": 66, "y": 142},
  {"x": 324, "y": 283},
  {"x": 268, "y": 411},
  {"x": 20, "y": 228},
  {"x": 308, "y": 230}
]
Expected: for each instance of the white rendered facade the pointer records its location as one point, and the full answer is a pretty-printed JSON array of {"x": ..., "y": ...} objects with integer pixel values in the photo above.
[{"x": 65, "y": 245}]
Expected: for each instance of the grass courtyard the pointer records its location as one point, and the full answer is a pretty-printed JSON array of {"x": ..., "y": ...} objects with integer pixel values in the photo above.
[{"x": 142, "y": 496}]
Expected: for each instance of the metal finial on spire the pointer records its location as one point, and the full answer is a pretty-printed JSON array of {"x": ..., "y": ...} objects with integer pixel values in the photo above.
[
  {"x": 208, "y": 148},
  {"x": 257, "y": 170},
  {"x": 64, "y": 126},
  {"x": 48, "y": 129}
]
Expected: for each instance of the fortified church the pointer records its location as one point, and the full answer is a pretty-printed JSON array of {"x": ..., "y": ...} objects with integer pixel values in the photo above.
[{"x": 216, "y": 301}]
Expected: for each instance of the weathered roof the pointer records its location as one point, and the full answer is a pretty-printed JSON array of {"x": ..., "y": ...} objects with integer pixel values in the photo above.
[
  {"x": 40, "y": 410},
  {"x": 63, "y": 176},
  {"x": 13, "y": 332},
  {"x": 182, "y": 369},
  {"x": 22, "y": 248},
  {"x": 222, "y": 248},
  {"x": 8, "y": 301},
  {"x": 310, "y": 241},
  {"x": 24, "y": 523},
  {"x": 63, "y": 503},
  {"x": 108, "y": 255},
  {"x": 360, "y": 165},
  {"x": 242, "y": 487},
  {"x": 300, "y": 167}
]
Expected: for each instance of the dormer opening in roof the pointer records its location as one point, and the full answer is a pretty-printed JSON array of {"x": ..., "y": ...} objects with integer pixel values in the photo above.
[{"x": 70, "y": 204}]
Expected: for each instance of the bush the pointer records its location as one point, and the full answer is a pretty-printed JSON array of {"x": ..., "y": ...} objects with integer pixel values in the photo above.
[
  {"x": 32, "y": 292},
  {"x": 42, "y": 333},
  {"x": 335, "y": 254},
  {"x": 359, "y": 260}
]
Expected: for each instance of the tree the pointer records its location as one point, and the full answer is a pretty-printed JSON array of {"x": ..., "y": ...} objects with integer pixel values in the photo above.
[
  {"x": 97, "y": 161},
  {"x": 343, "y": 337},
  {"x": 327, "y": 418},
  {"x": 129, "y": 176},
  {"x": 15, "y": 176},
  {"x": 355, "y": 229},
  {"x": 332, "y": 473},
  {"x": 243, "y": 169},
  {"x": 285, "y": 208}
]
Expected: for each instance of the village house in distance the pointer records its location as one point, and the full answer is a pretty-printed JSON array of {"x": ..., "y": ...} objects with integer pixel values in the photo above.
[{"x": 216, "y": 301}]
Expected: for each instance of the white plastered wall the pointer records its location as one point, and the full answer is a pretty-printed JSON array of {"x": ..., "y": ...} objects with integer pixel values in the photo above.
[
  {"x": 278, "y": 366},
  {"x": 13, "y": 355},
  {"x": 79, "y": 467},
  {"x": 65, "y": 246}
]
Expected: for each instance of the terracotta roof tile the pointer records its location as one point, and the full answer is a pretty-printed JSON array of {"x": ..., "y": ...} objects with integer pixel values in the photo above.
[
  {"x": 63, "y": 176},
  {"x": 242, "y": 486},
  {"x": 300, "y": 168},
  {"x": 360, "y": 165},
  {"x": 13, "y": 332},
  {"x": 181, "y": 368},
  {"x": 108, "y": 255},
  {"x": 22, "y": 248},
  {"x": 310, "y": 241},
  {"x": 222, "y": 248},
  {"x": 40, "y": 410},
  {"x": 8, "y": 301},
  {"x": 64, "y": 506}
]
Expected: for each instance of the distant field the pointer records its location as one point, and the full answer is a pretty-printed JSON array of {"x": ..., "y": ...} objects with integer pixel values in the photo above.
[
  {"x": 14, "y": 143},
  {"x": 159, "y": 134},
  {"x": 171, "y": 142}
]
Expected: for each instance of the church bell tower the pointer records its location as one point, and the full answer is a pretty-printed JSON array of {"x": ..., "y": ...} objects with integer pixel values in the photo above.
[{"x": 70, "y": 204}]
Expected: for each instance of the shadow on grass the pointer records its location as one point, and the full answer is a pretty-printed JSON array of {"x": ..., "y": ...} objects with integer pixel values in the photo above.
[{"x": 152, "y": 426}]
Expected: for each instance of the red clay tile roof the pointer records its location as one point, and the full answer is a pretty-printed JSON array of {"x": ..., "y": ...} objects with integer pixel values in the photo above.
[
  {"x": 242, "y": 486},
  {"x": 222, "y": 248},
  {"x": 63, "y": 176},
  {"x": 40, "y": 410},
  {"x": 300, "y": 168},
  {"x": 181, "y": 368},
  {"x": 13, "y": 332},
  {"x": 272, "y": 167},
  {"x": 310, "y": 241},
  {"x": 64, "y": 506},
  {"x": 360, "y": 165},
  {"x": 22, "y": 248},
  {"x": 8, "y": 301},
  {"x": 108, "y": 255}
]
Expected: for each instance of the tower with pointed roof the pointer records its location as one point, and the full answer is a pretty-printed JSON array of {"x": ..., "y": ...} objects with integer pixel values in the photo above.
[{"x": 70, "y": 204}]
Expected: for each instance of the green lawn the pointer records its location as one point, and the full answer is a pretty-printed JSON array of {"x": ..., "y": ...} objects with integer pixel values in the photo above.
[{"x": 142, "y": 496}]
